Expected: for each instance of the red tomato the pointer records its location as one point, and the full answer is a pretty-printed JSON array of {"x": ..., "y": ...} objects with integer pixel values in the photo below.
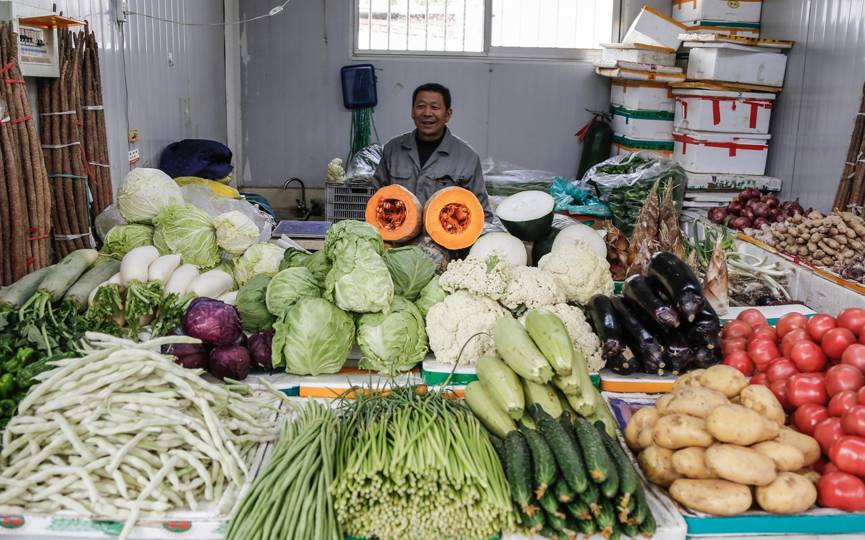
[
  {"x": 764, "y": 332},
  {"x": 734, "y": 344},
  {"x": 827, "y": 432},
  {"x": 805, "y": 388},
  {"x": 836, "y": 341},
  {"x": 780, "y": 370},
  {"x": 807, "y": 356},
  {"x": 734, "y": 329},
  {"x": 842, "y": 491},
  {"x": 860, "y": 396},
  {"x": 853, "y": 422},
  {"x": 818, "y": 325},
  {"x": 841, "y": 403},
  {"x": 829, "y": 467},
  {"x": 779, "y": 388},
  {"x": 753, "y": 317},
  {"x": 808, "y": 416},
  {"x": 843, "y": 377},
  {"x": 790, "y": 322},
  {"x": 852, "y": 319},
  {"x": 760, "y": 378},
  {"x": 848, "y": 454},
  {"x": 855, "y": 356},
  {"x": 791, "y": 338},
  {"x": 741, "y": 361},
  {"x": 763, "y": 351}
]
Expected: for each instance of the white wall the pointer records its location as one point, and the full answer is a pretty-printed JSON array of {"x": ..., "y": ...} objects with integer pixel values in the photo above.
[{"x": 294, "y": 121}]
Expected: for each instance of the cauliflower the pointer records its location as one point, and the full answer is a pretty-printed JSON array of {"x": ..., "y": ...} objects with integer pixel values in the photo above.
[
  {"x": 450, "y": 324},
  {"x": 582, "y": 273},
  {"x": 532, "y": 288},
  {"x": 581, "y": 333},
  {"x": 484, "y": 277},
  {"x": 335, "y": 171}
]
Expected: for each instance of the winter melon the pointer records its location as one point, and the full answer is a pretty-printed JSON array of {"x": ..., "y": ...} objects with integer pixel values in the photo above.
[
  {"x": 507, "y": 246},
  {"x": 528, "y": 215}
]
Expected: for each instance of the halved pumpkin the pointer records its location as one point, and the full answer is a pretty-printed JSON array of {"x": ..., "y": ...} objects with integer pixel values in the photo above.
[
  {"x": 453, "y": 217},
  {"x": 396, "y": 213}
]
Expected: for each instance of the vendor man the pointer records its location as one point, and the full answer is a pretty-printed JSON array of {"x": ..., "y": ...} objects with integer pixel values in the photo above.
[{"x": 431, "y": 157}]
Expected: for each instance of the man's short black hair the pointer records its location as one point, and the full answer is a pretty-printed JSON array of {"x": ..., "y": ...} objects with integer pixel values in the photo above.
[{"x": 433, "y": 87}]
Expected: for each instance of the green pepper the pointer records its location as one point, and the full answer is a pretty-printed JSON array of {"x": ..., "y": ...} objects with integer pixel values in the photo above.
[
  {"x": 7, "y": 385},
  {"x": 7, "y": 407}
]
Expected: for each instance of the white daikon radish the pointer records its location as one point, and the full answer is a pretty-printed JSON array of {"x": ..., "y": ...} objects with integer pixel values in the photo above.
[
  {"x": 162, "y": 268},
  {"x": 212, "y": 284},
  {"x": 180, "y": 280},
  {"x": 229, "y": 298},
  {"x": 135, "y": 264},
  {"x": 113, "y": 280}
]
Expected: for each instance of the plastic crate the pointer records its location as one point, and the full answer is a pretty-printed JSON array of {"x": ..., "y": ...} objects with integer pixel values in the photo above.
[{"x": 347, "y": 201}]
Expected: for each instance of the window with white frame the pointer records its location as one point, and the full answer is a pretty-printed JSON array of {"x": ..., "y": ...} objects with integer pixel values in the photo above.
[{"x": 482, "y": 27}]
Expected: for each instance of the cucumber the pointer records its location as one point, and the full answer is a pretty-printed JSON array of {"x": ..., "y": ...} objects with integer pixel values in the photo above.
[
  {"x": 552, "y": 338},
  {"x": 588, "y": 527},
  {"x": 610, "y": 486},
  {"x": 564, "y": 450},
  {"x": 550, "y": 533},
  {"x": 602, "y": 413},
  {"x": 641, "y": 506},
  {"x": 616, "y": 532},
  {"x": 532, "y": 524},
  {"x": 498, "y": 446},
  {"x": 648, "y": 526},
  {"x": 563, "y": 492},
  {"x": 493, "y": 418},
  {"x": 551, "y": 506},
  {"x": 502, "y": 385},
  {"x": 556, "y": 521},
  {"x": 625, "y": 505},
  {"x": 579, "y": 510},
  {"x": 627, "y": 475},
  {"x": 18, "y": 293},
  {"x": 519, "y": 352},
  {"x": 590, "y": 496},
  {"x": 544, "y": 396},
  {"x": 543, "y": 461},
  {"x": 594, "y": 455},
  {"x": 99, "y": 273},
  {"x": 65, "y": 273},
  {"x": 630, "y": 530},
  {"x": 519, "y": 470},
  {"x": 605, "y": 517}
]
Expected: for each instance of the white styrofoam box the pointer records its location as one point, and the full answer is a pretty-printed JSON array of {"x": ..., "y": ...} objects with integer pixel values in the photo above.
[
  {"x": 723, "y": 111},
  {"x": 625, "y": 145},
  {"x": 642, "y": 95},
  {"x": 733, "y": 63},
  {"x": 738, "y": 29},
  {"x": 615, "y": 52},
  {"x": 647, "y": 125},
  {"x": 732, "y": 153},
  {"x": 718, "y": 10},
  {"x": 651, "y": 27}
]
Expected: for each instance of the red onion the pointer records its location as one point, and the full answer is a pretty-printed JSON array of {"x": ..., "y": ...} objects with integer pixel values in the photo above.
[
  {"x": 761, "y": 210},
  {"x": 759, "y": 222},
  {"x": 718, "y": 215},
  {"x": 779, "y": 218},
  {"x": 771, "y": 201},
  {"x": 735, "y": 206},
  {"x": 750, "y": 193},
  {"x": 747, "y": 213},
  {"x": 740, "y": 223}
]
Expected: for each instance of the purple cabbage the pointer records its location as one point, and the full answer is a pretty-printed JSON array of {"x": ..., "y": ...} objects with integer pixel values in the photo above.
[
  {"x": 230, "y": 361},
  {"x": 193, "y": 361},
  {"x": 260, "y": 347},
  {"x": 212, "y": 321},
  {"x": 183, "y": 349}
]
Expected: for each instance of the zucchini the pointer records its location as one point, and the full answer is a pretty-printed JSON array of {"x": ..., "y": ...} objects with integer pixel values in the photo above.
[
  {"x": 678, "y": 282},
  {"x": 543, "y": 461},
  {"x": 628, "y": 479},
  {"x": 588, "y": 527},
  {"x": 570, "y": 384},
  {"x": 623, "y": 364},
  {"x": 584, "y": 402},
  {"x": 603, "y": 414},
  {"x": 550, "y": 505},
  {"x": 556, "y": 521},
  {"x": 519, "y": 470},
  {"x": 648, "y": 526},
  {"x": 579, "y": 510},
  {"x": 606, "y": 517},
  {"x": 642, "y": 342},
  {"x": 595, "y": 457},
  {"x": 65, "y": 273},
  {"x": 606, "y": 326},
  {"x": 494, "y": 419},
  {"x": 544, "y": 396},
  {"x": 552, "y": 339},
  {"x": 564, "y": 450},
  {"x": 519, "y": 352},
  {"x": 502, "y": 385},
  {"x": 17, "y": 294},
  {"x": 638, "y": 291},
  {"x": 563, "y": 492},
  {"x": 99, "y": 273},
  {"x": 563, "y": 401}
]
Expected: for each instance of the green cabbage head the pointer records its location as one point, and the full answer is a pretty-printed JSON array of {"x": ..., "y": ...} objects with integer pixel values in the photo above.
[
  {"x": 288, "y": 286},
  {"x": 410, "y": 268},
  {"x": 395, "y": 342},
  {"x": 261, "y": 258},
  {"x": 235, "y": 232},
  {"x": 318, "y": 264},
  {"x": 144, "y": 193},
  {"x": 359, "y": 280},
  {"x": 347, "y": 233},
  {"x": 252, "y": 304},
  {"x": 123, "y": 238},
  {"x": 430, "y": 295},
  {"x": 293, "y": 257},
  {"x": 188, "y": 232},
  {"x": 313, "y": 337}
]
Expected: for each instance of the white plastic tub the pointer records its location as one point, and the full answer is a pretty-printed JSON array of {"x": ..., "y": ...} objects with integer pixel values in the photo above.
[
  {"x": 647, "y": 125},
  {"x": 718, "y": 10},
  {"x": 642, "y": 95},
  {"x": 736, "y": 63},
  {"x": 723, "y": 111},
  {"x": 731, "y": 153}
]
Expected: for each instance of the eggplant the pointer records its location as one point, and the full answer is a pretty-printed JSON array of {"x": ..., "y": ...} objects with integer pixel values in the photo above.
[
  {"x": 642, "y": 342},
  {"x": 640, "y": 293},
  {"x": 673, "y": 276},
  {"x": 606, "y": 326},
  {"x": 677, "y": 351},
  {"x": 623, "y": 363},
  {"x": 707, "y": 322},
  {"x": 706, "y": 358}
]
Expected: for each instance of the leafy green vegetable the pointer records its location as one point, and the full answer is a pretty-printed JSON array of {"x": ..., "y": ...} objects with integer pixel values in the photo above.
[
  {"x": 287, "y": 287},
  {"x": 319, "y": 266},
  {"x": 431, "y": 294},
  {"x": 350, "y": 232},
  {"x": 312, "y": 337},
  {"x": 393, "y": 342},
  {"x": 359, "y": 280},
  {"x": 145, "y": 193},
  {"x": 122, "y": 238},
  {"x": 189, "y": 232},
  {"x": 293, "y": 257},
  {"x": 235, "y": 232},
  {"x": 252, "y": 304},
  {"x": 410, "y": 268},
  {"x": 261, "y": 258}
]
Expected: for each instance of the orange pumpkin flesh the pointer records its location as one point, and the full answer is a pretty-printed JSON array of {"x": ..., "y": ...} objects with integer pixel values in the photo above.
[
  {"x": 454, "y": 218},
  {"x": 395, "y": 212}
]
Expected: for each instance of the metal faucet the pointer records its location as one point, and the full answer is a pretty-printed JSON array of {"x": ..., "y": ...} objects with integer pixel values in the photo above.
[{"x": 301, "y": 203}]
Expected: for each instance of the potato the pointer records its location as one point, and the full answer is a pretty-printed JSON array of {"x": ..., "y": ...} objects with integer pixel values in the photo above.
[
  {"x": 740, "y": 425},
  {"x": 741, "y": 465},
  {"x": 657, "y": 463},
  {"x": 695, "y": 401},
  {"x": 692, "y": 378},
  {"x": 725, "y": 379},
  {"x": 786, "y": 457},
  {"x": 662, "y": 403},
  {"x": 641, "y": 423},
  {"x": 717, "y": 497},
  {"x": 809, "y": 446},
  {"x": 788, "y": 494},
  {"x": 811, "y": 475},
  {"x": 676, "y": 431},
  {"x": 761, "y": 400},
  {"x": 691, "y": 463}
]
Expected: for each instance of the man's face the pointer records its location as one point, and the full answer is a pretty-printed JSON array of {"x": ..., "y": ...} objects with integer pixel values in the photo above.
[{"x": 430, "y": 115}]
